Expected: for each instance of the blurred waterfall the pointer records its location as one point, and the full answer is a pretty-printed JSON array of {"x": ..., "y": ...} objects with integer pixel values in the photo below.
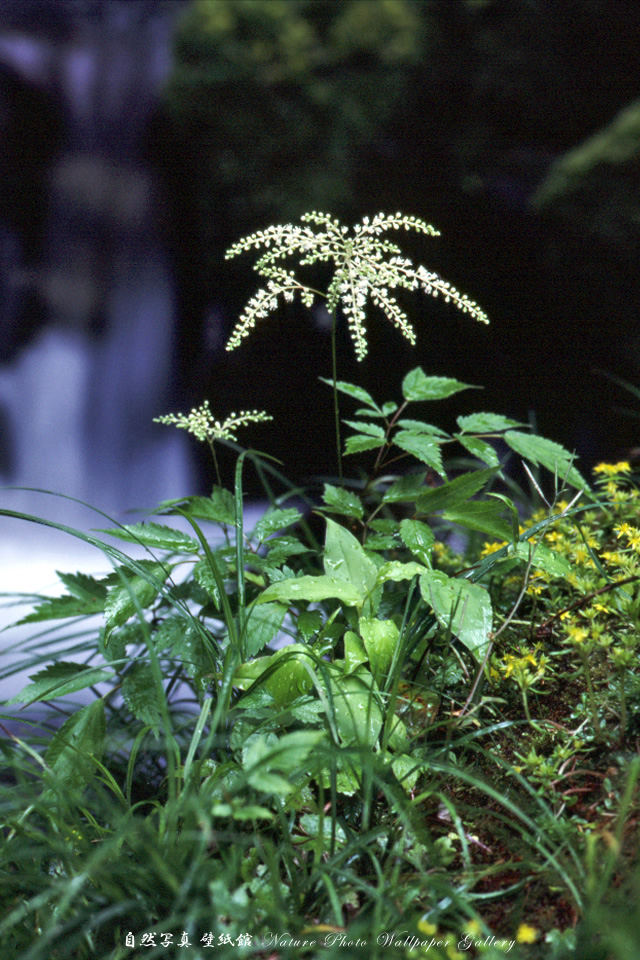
[{"x": 77, "y": 399}]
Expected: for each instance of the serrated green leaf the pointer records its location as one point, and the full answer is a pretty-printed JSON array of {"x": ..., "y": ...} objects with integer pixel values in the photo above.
[
  {"x": 280, "y": 548},
  {"x": 141, "y": 695},
  {"x": 352, "y": 390},
  {"x": 346, "y": 559},
  {"x": 418, "y": 426},
  {"x": 462, "y": 607},
  {"x": 187, "y": 645},
  {"x": 550, "y": 454},
  {"x": 76, "y": 744},
  {"x": 204, "y": 576},
  {"x": 155, "y": 535},
  {"x": 59, "y": 680},
  {"x": 372, "y": 429},
  {"x": 419, "y": 539},
  {"x": 218, "y": 508},
  {"x": 312, "y": 589},
  {"x": 359, "y": 443},
  {"x": 380, "y": 640},
  {"x": 265, "y": 620},
  {"x": 418, "y": 386},
  {"x": 481, "y": 515},
  {"x": 479, "y": 448},
  {"x": 486, "y": 423},
  {"x": 343, "y": 501},
  {"x": 273, "y": 521},
  {"x": 423, "y": 447},
  {"x": 123, "y": 600},
  {"x": 454, "y": 491},
  {"x": 407, "y": 489},
  {"x": 59, "y": 608},
  {"x": 83, "y": 586},
  {"x": 309, "y": 623}
]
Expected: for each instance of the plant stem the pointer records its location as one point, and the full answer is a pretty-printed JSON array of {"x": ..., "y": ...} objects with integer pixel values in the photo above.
[
  {"x": 334, "y": 377},
  {"x": 592, "y": 697}
]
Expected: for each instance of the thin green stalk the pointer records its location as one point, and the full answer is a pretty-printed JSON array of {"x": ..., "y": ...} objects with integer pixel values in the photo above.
[
  {"x": 593, "y": 707},
  {"x": 334, "y": 378}
]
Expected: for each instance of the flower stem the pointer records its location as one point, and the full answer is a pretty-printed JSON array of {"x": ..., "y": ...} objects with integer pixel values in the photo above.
[{"x": 334, "y": 377}]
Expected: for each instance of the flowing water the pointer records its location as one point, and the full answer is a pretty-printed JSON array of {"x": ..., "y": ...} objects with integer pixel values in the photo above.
[{"x": 77, "y": 400}]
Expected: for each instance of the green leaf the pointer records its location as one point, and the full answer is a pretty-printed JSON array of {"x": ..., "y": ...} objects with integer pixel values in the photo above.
[
  {"x": 395, "y": 571},
  {"x": 513, "y": 513},
  {"x": 418, "y": 538},
  {"x": 355, "y": 653},
  {"x": 481, "y": 515},
  {"x": 265, "y": 620},
  {"x": 74, "y": 746},
  {"x": 486, "y": 423},
  {"x": 548, "y": 453},
  {"x": 309, "y": 623},
  {"x": 353, "y": 391},
  {"x": 357, "y": 714},
  {"x": 218, "y": 508},
  {"x": 343, "y": 501},
  {"x": 286, "y": 673},
  {"x": 310, "y": 823},
  {"x": 479, "y": 448},
  {"x": 373, "y": 429},
  {"x": 264, "y": 761},
  {"x": 122, "y": 600},
  {"x": 423, "y": 447},
  {"x": 380, "y": 640},
  {"x": 455, "y": 491},
  {"x": 544, "y": 559},
  {"x": 280, "y": 548},
  {"x": 187, "y": 645},
  {"x": 461, "y": 606},
  {"x": 418, "y": 386},
  {"x": 359, "y": 443},
  {"x": 418, "y": 426},
  {"x": 59, "y": 608},
  {"x": 140, "y": 694},
  {"x": 59, "y": 680},
  {"x": 83, "y": 586},
  {"x": 155, "y": 535},
  {"x": 313, "y": 589},
  {"x": 204, "y": 576},
  {"x": 346, "y": 559},
  {"x": 407, "y": 489},
  {"x": 273, "y": 521},
  {"x": 407, "y": 771}
]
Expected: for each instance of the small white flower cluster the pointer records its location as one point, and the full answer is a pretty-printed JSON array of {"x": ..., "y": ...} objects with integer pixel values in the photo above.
[
  {"x": 200, "y": 422},
  {"x": 366, "y": 268}
]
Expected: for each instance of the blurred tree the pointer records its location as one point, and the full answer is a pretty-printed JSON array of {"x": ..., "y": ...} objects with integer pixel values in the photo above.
[
  {"x": 271, "y": 97},
  {"x": 597, "y": 184}
]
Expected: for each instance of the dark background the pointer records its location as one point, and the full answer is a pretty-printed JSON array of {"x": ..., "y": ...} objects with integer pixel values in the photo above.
[{"x": 511, "y": 125}]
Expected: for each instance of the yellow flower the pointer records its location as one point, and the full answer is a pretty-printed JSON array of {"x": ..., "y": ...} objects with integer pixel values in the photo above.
[
  {"x": 490, "y": 548},
  {"x": 612, "y": 469},
  {"x": 577, "y": 634},
  {"x": 634, "y": 539},
  {"x": 526, "y": 934},
  {"x": 429, "y": 929}
]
